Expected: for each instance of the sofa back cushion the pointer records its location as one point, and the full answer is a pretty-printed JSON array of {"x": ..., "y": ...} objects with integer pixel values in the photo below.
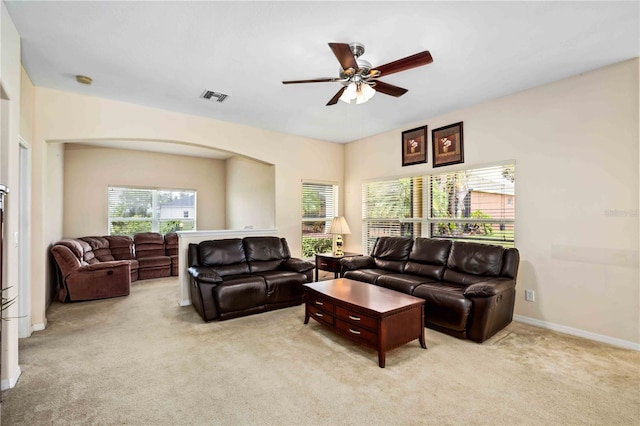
[
  {"x": 428, "y": 258},
  {"x": 171, "y": 244},
  {"x": 469, "y": 262},
  {"x": 391, "y": 253},
  {"x": 148, "y": 244},
  {"x": 100, "y": 248},
  {"x": 265, "y": 253},
  {"x": 225, "y": 256},
  {"x": 121, "y": 247}
]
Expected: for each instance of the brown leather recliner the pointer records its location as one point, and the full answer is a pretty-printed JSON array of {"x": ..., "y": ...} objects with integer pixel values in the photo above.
[
  {"x": 84, "y": 277},
  {"x": 468, "y": 288},
  {"x": 237, "y": 277},
  {"x": 150, "y": 253}
]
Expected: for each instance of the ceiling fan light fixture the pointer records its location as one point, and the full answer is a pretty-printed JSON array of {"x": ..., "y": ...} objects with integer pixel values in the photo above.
[
  {"x": 357, "y": 93},
  {"x": 364, "y": 93}
]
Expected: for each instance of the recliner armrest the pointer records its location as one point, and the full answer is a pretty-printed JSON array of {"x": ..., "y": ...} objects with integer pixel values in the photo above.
[
  {"x": 356, "y": 262},
  {"x": 489, "y": 288},
  {"x": 204, "y": 274},
  {"x": 297, "y": 265},
  {"x": 99, "y": 266}
]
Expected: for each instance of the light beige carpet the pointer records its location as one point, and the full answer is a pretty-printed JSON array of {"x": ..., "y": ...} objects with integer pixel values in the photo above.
[{"x": 143, "y": 360}]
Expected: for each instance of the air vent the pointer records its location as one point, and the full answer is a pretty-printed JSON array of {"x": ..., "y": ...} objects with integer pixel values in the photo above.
[{"x": 208, "y": 94}]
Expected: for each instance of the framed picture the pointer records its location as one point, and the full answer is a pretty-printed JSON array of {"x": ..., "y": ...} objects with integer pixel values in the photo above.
[
  {"x": 447, "y": 143},
  {"x": 414, "y": 146}
]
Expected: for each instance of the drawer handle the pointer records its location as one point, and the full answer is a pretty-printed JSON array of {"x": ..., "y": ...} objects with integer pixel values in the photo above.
[
  {"x": 354, "y": 318},
  {"x": 318, "y": 314},
  {"x": 354, "y": 331},
  {"x": 319, "y": 303}
]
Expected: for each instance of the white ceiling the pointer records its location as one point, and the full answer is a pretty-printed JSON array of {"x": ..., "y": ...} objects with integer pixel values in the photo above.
[{"x": 165, "y": 54}]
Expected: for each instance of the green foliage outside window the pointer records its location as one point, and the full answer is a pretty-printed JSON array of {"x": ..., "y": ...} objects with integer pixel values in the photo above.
[
  {"x": 130, "y": 228},
  {"x": 311, "y": 246}
]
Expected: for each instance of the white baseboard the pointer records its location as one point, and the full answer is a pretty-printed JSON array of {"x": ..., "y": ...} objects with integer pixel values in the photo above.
[
  {"x": 39, "y": 327},
  {"x": 626, "y": 344},
  {"x": 11, "y": 382},
  {"x": 184, "y": 302}
]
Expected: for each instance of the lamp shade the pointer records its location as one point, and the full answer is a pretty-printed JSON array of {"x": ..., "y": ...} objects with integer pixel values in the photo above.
[{"x": 339, "y": 226}]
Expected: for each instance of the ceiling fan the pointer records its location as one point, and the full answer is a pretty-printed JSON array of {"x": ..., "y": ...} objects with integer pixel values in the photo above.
[{"x": 359, "y": 79}]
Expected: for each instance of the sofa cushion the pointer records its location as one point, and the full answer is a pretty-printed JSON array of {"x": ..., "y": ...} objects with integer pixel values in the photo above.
[
  {"x": 148, "y": 244},
  {"x": 154, "y": 262},
  {"x": 404, "y": 283},
  {"x": 366, "y": 275},
  {"x": 475, "y": 258},
  {"x": 428, "y": 257},
  {"x": 100, "y": 248},
  {"x": 225, "y": 256},
  {"x": 445, "y": 305},
  {"x": 121, "y": 247},
  {"x": 391, "y": 253},
  {"x": 283, "y": 286},
  {"x": 265, "y": 253},
  {"x": 240, "y": 292}
]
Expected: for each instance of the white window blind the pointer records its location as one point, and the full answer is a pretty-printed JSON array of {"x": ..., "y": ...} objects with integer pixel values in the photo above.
[
  {"x": 319, "y": 207},
  {"x": 132, "y": 210},
  {"x": 475, "y": 204}
]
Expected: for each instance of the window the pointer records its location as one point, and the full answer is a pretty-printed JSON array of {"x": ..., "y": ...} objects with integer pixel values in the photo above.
[
  {"x": 319, "y": 207},
  {"x": 475, "y": 205},
  {"x": 134, "y": 210}
]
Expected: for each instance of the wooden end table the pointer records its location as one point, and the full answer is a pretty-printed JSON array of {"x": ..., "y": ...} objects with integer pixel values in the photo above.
[
  {"x": 331, "y": 263},
  {"x": 374, "y": 316}
]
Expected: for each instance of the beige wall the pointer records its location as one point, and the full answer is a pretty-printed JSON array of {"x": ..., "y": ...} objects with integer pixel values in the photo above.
[
  {"x": 575, "y": 143},
  {"x": 9, "y": 175},
  {"x": 250, "y": 194},
  {"x": 69, "y": 117},
  {"x": 88, "y": 171}
]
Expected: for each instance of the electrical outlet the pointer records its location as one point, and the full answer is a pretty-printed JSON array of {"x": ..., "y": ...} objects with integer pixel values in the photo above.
[{"x": 530, "y": 295}]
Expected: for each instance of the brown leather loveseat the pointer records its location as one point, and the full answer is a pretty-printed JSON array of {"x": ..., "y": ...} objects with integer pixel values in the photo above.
[
  {"x": 469, "y": 288},
  {"x": 237, "y": 277}
]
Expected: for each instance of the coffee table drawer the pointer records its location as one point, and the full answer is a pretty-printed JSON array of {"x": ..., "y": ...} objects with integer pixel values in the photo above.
[
  {"x": 320, "y": 302},
  {"x": 356, "y": 318},
  {"x": 320, "y": 315},
  {"x": 357, "y": 332}
]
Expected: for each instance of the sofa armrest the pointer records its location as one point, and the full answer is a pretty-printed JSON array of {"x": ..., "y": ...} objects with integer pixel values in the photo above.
[
  {"x": 297, "y": 265},
  {"x": 99, "y": 266},
  {"x": 356, "y": 262},
  {"x": 204, "y": 274},
  {"x": 489, "y": 288}
]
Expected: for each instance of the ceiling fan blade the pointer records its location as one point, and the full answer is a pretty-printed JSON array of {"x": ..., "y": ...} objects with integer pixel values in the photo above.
[
  {"x": 389, "y": 89},
  {"x": 413, "y": 61},
  {"x": 314, "y": 80},
  {"x": 335, "y": 98},
  {"x": 344, "y": 55}
]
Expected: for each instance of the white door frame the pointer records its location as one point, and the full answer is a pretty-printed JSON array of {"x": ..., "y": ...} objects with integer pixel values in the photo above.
[{"x": 24, "y": 249}]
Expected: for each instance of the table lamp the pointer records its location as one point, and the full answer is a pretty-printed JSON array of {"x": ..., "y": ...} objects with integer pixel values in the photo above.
[{"x": 339, "y": 227}]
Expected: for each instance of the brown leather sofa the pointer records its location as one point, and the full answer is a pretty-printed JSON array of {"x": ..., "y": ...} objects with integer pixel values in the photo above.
[
  {"x": 469, "y": 288},
  {"x": 85, "y": 276},
  {"x": 237, "y": 277}
]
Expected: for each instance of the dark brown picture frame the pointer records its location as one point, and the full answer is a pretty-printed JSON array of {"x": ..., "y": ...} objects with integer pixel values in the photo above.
[
  {"x": 414, "y": 146},
  {"x": 447, "y": 145}
]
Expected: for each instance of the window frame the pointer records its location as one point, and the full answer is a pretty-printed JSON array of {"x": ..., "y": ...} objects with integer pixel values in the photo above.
[{"x": 327, "y": 218}]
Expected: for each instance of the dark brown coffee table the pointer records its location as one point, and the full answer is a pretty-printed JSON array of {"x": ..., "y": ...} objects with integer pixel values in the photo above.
[{"x": 374, "y": 316}]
